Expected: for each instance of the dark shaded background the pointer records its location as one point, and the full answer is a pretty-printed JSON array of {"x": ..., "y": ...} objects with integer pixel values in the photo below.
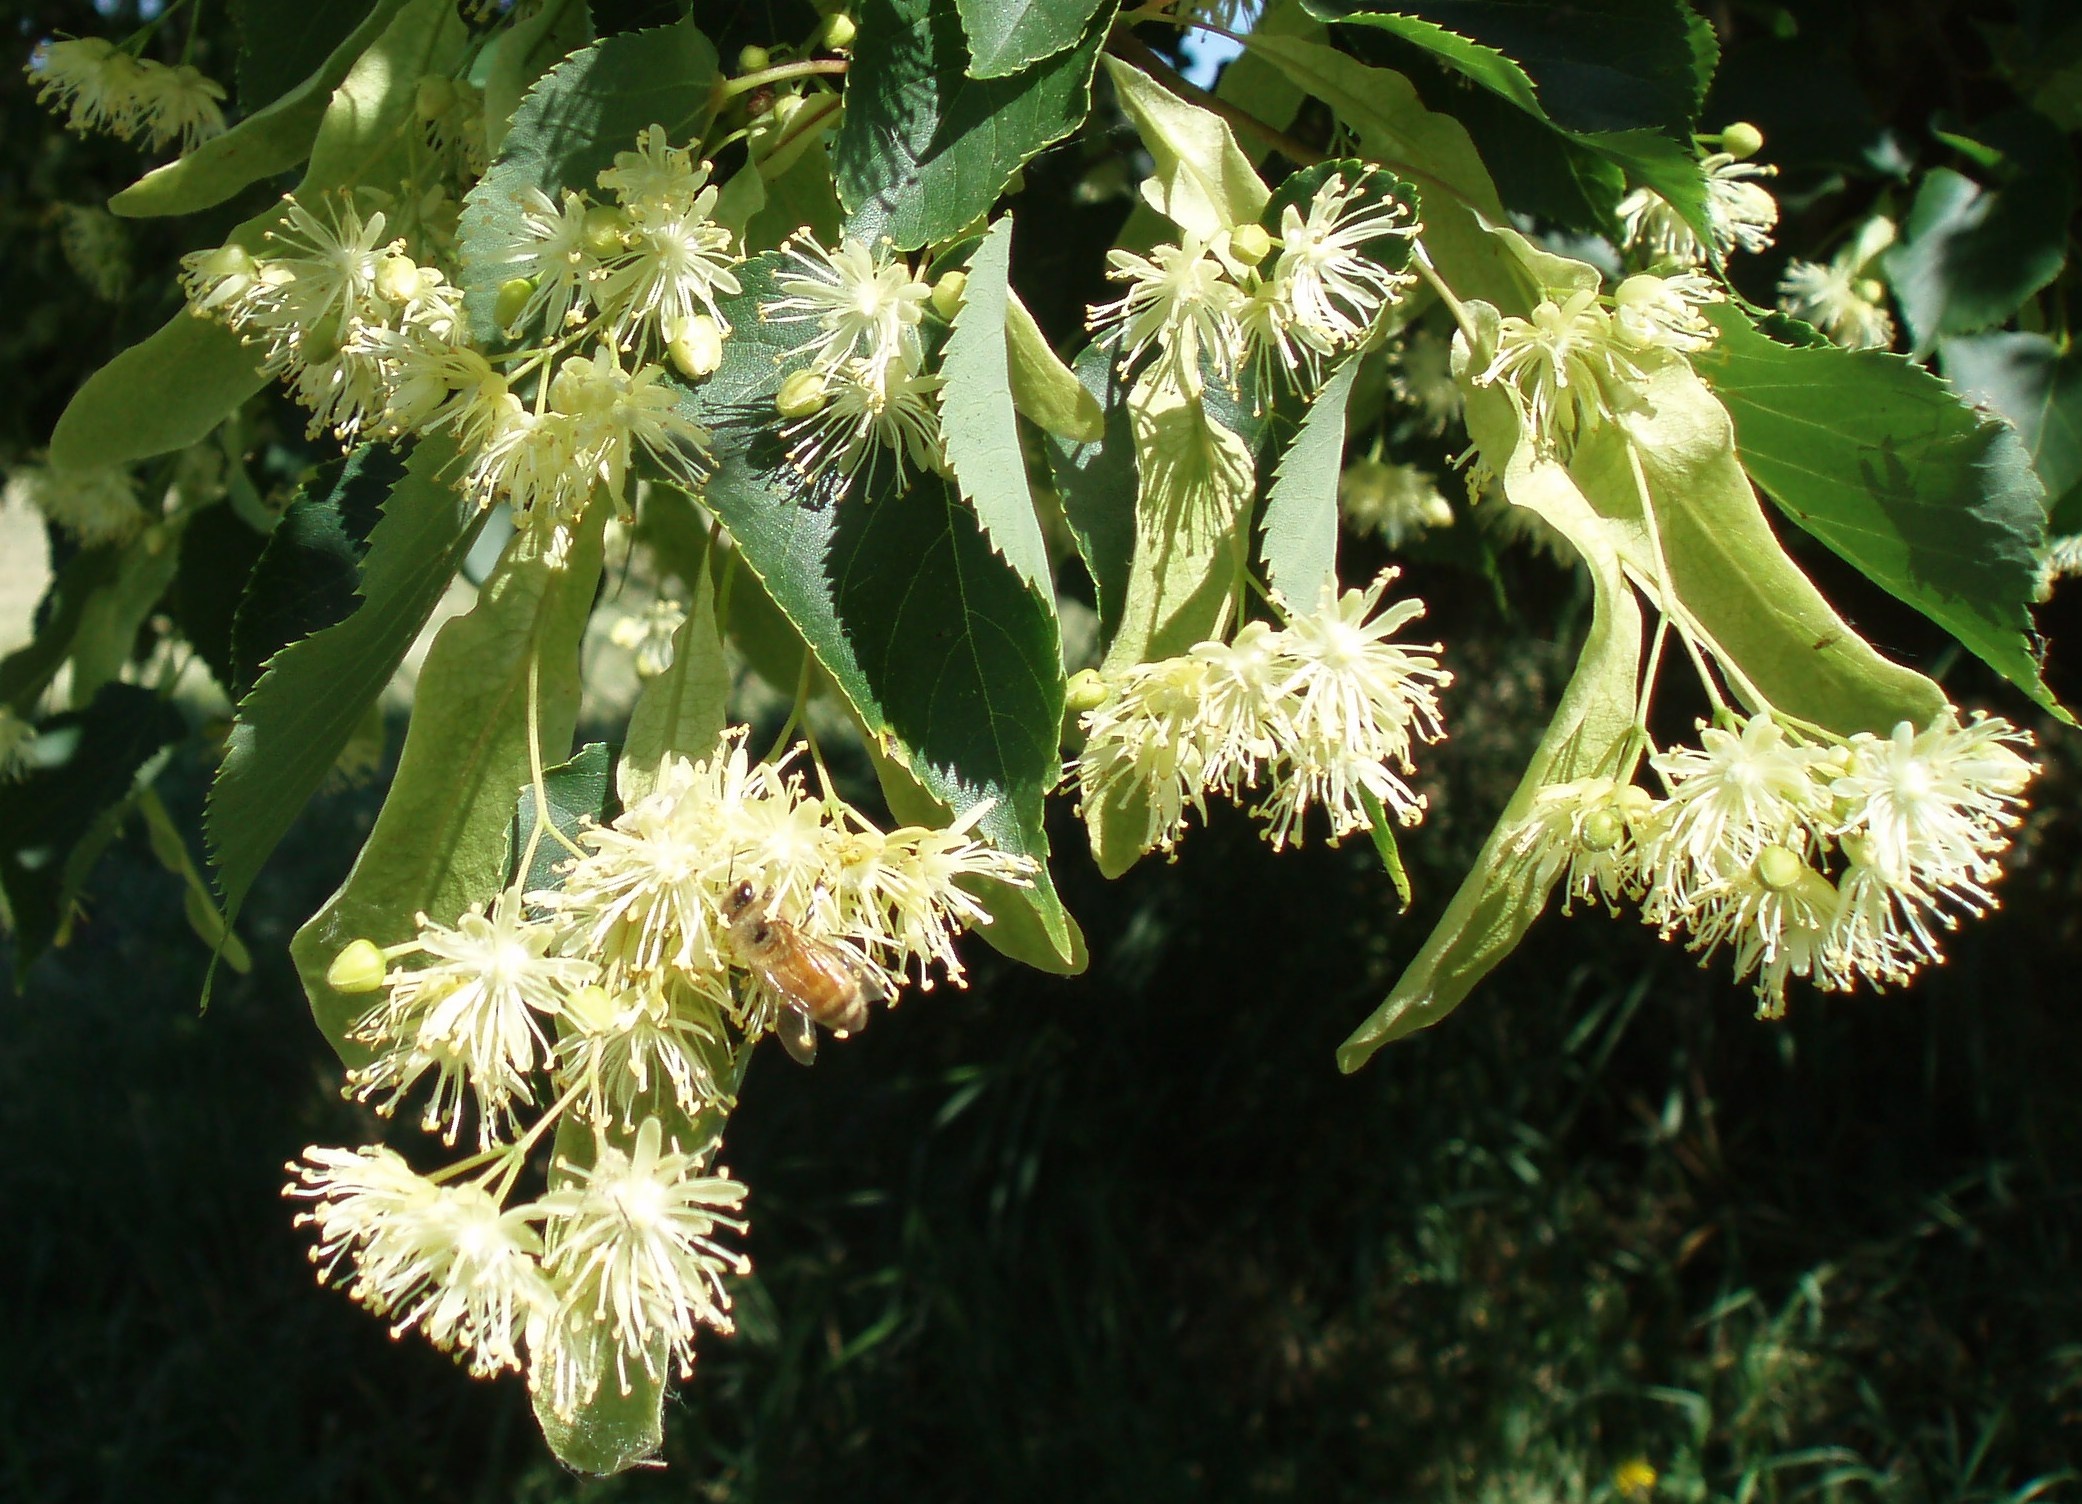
[{"x": 1131, "y": 1236}]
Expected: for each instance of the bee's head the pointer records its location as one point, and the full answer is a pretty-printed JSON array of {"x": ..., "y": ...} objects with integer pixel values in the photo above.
[{"x": 741, "y": 898}]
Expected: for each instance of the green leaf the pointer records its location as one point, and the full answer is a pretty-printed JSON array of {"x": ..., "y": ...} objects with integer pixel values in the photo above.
[
  {"x": 1499, "y": 900},
  {"x": 682, "y": 711},
  {"x": 309, "y": 574},
  {"x": 944, "y": 653},
  {"x": 1598, "y": 65},
  {"x": 305, "y": 708},
  {"x": 271, "y": 139},
  {"x": 1382, "y": 828},
  {"x": 370, "y": 133},
  {"x": 1728, "y": 568},
  {"x": 81, "y": 764},
  {"x": 1969, "y": 255},
  {"x": 2028, "y": 379},
  {"x": 440, "y": 841},
  {"x": 1095, "y": 482},
  {"x": 576, "y": 793},
  {"x": 568, "y": 129},
  {"x": 1006, "y": 36},
  {"x": 1300, "y": 524},
  {"x": 1203, "y": 183},
  {"x": 977, "y": 423},
  {"x": 1046, "y": 391},
  {"x": 924, "y": 150},
  {"x": 197, "y": 902},
  {"x": 1433, "y": 150},
  {"x": 1875, "y": 457},
  {"x": 522, "y": 53}
]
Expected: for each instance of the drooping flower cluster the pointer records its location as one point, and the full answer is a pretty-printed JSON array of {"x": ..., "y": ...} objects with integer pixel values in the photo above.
[
  {"x": 373, "y": 339},
  {"x": 101, "y": 87},
  {"x": 1322, "y": 712},
  {"x": 1250, "y": 297},
  {"x": 1740, "y": 212},
  {"x": 1580, "y": 362},
  {"x": 100, "y": 505},
  {"x": 1842, "y": 297},
  {"x": 865, "y": 391},
  {"x": 1395, "y": 502},
  {"x": 626, "y": 998},
  {"x": 1836, "y": 861}
]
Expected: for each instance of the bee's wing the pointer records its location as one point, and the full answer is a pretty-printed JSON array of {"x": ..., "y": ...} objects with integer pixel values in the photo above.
[{"x": 798, "y": 1034}]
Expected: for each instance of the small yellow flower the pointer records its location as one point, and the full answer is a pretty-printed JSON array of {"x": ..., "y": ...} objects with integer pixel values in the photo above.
[{"x": 1634, "y": 1479}]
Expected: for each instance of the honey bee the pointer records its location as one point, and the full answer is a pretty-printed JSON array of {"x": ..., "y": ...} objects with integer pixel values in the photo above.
[{"x": 818, "y": 982}]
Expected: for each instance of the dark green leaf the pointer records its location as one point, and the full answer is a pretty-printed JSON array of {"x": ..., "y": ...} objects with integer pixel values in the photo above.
[
  {"x": 81, "y": 764},
  {"x": 1096, "y": 485},
  {"x": 943, "y": 652},
  {"x": 522, "y": 53},
  {"x": 440, "y": 841},
  {"x": 577, "y": 792},
  {"x": 305, "y": 708},
  {"x": 1596, "y": 65},
  {"x": 280, "y": 45},
  {"x": 309, "y": 574},
  {"x": 569, "y": 127},
  {"x": 2027, "y": 379},
  {"x": 218, "y": 551},
  {"x": 924, "y": 150},
  {"x": 1005, "y": 36},
  {"x": 1970, "y": 254},
  {"x": 1874, "y": 456},
  {"x": 109, "y": 626}
]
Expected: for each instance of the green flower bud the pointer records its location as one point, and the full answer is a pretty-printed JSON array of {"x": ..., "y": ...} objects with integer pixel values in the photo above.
[
  {"x": 1250, "y": 244},
  {"x": 1086, "y": 691},
  {"x": 603, "y": 231},
  {"x": 784, "y": 107},
  {"x": 397, "y": 278},
  {"x": 1779, "y": 868},
  {"x": 512, "y": 301},
  {"x": 359, "y": 967},
  {"x": 1742, "y": 140},
  {"x": 754, "y": 60},
  {"x": 1603, "y": 829},
  {"x": 801, "y": 394},
  {"x": 947, "y": 293},
  {"x": 696, "y": 347},
  {"x": 837, "y": 32},
  {"x": 591, "y": 1008},
  {"x": 1871, "y": 289},
  {"x": 434, "y": 98}
]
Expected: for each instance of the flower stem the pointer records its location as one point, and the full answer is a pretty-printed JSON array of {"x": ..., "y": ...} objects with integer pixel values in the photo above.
[{"x": 728, "y": 89}]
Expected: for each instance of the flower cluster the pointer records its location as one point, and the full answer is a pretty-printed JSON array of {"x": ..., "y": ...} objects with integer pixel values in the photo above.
[
  {"x": 101, "y": 87},
  {"x": 1324, "y": 710},
  {"x": 1740, "y": 212},
  {"x": 1248, "y": 297},
  {"x": 675, "y": 940},
  {"x": 1837, "y": 861},
  {"x": 375, "y": 342},
  {"x": 1394, "y": 502},
  {"x": 1842, "y": 297},
  {"x": 865, "y": 390},
  {"x": 98, "y": 506},
  {"x": 1577, "y": 363}
]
